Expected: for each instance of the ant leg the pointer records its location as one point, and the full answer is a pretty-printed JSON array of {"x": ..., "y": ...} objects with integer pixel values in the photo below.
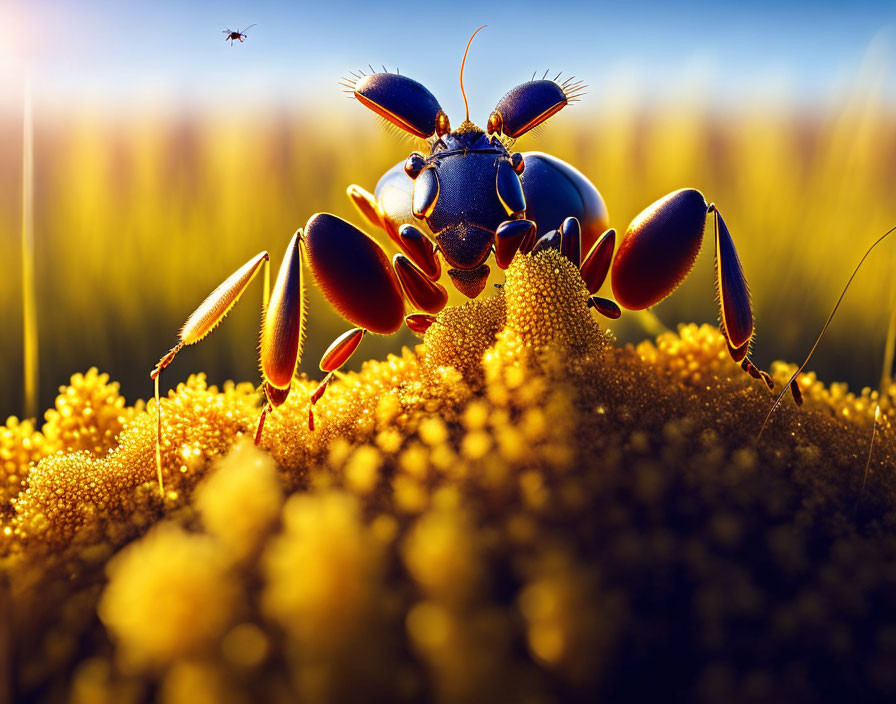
[
  {"x": 410, "y": 238},
  {"x": 571, "y": 240},
  {"x": 597, "y": 263},
  {"x": 422, "y": 260},
  {"x": 549, "y": 240},
  {"x": 734, "y": 293},
  {"x": 734, "y": 302},
  {"x": 283, "y": 330},
  {"x": 354, "y": 274},
  {"x": 567, "y": 239},
  {"x": 423, "y": 293},
  {"x": 356, "y": 277},
  {"x": 605, "y": 307},
  {"x": 513, "y": 236},
  {"x": 659, "y": 249},
  {"x": 751, "y": 369},
  {"x": 200, "y": 323},
  {"x": 342, "y": 348},
  {"x": 337, "y": 354},
  {"x": 391, "y": 205},
  {"x": 421, "y": 250},
  {"x": 366, "y": 204},
  {"x": 419, "y": 322},
  {"x": 594, "y": 272}
]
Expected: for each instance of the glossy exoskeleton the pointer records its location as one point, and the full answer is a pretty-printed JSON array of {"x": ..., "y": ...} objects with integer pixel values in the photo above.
[{"x": 469, "y": 197}]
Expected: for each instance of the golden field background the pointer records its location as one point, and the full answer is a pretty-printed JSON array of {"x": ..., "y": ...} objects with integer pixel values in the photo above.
[{"x": 137, "y": 218}]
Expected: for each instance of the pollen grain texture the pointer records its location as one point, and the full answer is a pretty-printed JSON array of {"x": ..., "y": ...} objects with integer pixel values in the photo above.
[{"x": 516, "y": 510}]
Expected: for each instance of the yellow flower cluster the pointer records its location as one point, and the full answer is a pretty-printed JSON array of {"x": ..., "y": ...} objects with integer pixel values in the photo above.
[
  {"x": 20, "y": 446},
  {"x": 75, "y": 497},
  {"x": 89, "y": 415},
  {"x": 169, "y": 598},
  {"x": 516, "y": 510}
]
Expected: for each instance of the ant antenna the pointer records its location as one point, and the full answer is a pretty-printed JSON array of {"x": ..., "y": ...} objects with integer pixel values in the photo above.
[
  {"x": 823, "y": 330},
  {"x": 462, "y": 70}
]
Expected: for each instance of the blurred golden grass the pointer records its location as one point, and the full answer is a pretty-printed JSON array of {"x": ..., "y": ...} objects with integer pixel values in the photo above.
[{"x": 138, "y": 219}]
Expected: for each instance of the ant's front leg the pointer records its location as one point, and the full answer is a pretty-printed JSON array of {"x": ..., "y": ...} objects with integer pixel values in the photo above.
[
  {"x": 356, "y": 277},
  {"x": 200, "y": 323},
  {"x": 283, "y": 330}
]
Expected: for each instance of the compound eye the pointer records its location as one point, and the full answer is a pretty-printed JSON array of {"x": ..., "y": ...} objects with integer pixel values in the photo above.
[
  {"x": 414, "y": 165},
  {"x": 495, "y": 123},
  {"x": 516, "y": 161}
]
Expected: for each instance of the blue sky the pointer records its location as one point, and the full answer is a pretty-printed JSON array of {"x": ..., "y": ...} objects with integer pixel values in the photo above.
[{"x": 126, "y": 54}]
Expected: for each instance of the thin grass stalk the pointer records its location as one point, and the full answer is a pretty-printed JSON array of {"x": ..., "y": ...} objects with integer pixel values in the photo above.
[
  {"x": 886, "y": 374},
  {"x": 29, "y": 296}
]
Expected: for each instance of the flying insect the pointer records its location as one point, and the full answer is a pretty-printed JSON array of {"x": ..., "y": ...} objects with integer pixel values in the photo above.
[{"x": 238, "y": 35}]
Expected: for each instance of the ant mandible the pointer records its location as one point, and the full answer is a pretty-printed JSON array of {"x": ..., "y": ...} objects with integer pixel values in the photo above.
[{"x": 238, "y": 35}]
